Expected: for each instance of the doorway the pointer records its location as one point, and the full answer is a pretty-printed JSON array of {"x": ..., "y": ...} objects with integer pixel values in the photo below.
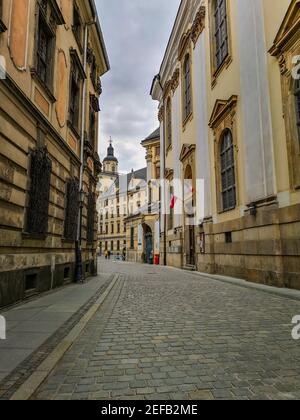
[
  {"x": 189, "y": 217},
  {"x": 148, "y": 245}
]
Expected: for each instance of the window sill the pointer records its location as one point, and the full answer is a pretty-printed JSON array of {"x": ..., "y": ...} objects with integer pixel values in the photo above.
[
  {"x": 228, "y": 210},
  {"x": 187, "y": 120},
  {"x": 226, "y": 63},
  {"x": 74, "y": 130},
  {"x": 169, "y": 149},
  {"x": 42, "y": 85},
  {"x": 34, "y": 236}
]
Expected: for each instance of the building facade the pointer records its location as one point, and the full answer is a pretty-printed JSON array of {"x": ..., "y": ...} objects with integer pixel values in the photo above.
[
  {"x": 228, "y": 92},
  {"x": 54, "y": 54},
  {"x": 143, "y": 224},
  {"x": 119, "y": 196}
]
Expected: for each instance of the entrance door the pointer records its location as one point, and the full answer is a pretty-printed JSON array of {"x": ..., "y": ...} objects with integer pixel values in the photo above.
[
  {"x": 149, "y": 248},
  {"x": 190, "y": 252}
]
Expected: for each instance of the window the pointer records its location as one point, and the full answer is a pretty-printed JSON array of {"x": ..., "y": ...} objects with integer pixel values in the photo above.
[
  {"x": 228, "y": 187},
  {"x": 187, "y": 88},
  {"x": 92, "y": 128},
  {"x": 118, "y": 246},
  {"x": 124, "y": 227},
  {"x": 106, "y": 229},
  {"x": 75, "y": 91},
  {"x": 221, "y": 32},
  {"x": 2, "y": 26},
  {"x": 297, "y": 95},
  {"x": 157, "y": 151},
  {"x": 228, "y": 237},
  {"x": 101, "y": 230},
  {"x": 119, "y": 228},
  {"x": 112, "y": 245},
  {"x": 118, "y": 211},
  {"x": 39, "y": 193},
  {"x": 157, "y": 172},
  {"x": 45, "y": 48},
  {"x": 169, "y": 123},
  {"x": 112, "y": 228},
  {"x": 132, "y": 238},
  {"x": 77, "y": 25},
  {"x": 72, "y": 208}
]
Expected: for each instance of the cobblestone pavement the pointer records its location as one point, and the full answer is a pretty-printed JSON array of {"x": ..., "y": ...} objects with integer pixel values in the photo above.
[{"x": 166, "y": 334}]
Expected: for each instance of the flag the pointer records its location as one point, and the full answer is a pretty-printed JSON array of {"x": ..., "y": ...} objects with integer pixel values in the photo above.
[{"x": 173, "y": 201}]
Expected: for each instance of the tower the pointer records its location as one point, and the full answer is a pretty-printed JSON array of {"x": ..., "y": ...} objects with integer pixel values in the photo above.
[{"x": 110, "y": 163}]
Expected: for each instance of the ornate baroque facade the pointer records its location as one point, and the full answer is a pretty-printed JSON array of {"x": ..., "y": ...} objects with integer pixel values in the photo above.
[
  {"x": 43, "y": 138},
  {"x": 229, "y": 111}
]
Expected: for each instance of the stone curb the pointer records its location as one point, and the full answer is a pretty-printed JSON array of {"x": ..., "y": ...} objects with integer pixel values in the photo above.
[
  {"x": 286, "y": 293},
  {"x": 30, "y": 386}
]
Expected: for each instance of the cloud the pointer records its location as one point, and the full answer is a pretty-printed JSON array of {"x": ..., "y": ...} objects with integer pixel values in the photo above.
[{"x": 136, "y": 33}]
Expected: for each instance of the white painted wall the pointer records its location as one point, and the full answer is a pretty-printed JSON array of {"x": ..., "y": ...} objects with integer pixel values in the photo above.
[
  {"x": 176, "y": 130},
  {"x": 202, "y": 139},
  {"x": 255, "y": 101}
]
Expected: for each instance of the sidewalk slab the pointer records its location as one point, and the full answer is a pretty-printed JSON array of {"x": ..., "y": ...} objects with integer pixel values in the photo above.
[
  {"x": 32, "y": 323},
  {"x": 277, "y": 291}
]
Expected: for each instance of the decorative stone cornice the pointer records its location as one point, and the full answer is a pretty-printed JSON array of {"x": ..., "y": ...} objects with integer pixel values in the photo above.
[
  {"x": 161, "y": 114},
  {"x": 198, "y": 24},
  {"x": 175, "y": 80}
]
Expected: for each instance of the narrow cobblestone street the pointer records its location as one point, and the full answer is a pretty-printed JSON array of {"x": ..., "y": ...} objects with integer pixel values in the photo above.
[{"x": 168, "y": 334}]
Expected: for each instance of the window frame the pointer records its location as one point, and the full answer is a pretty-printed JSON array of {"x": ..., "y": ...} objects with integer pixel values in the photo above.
[
  {"x": 43, "y": 19},
  {"x": 217, "y": 70},
  {"x": 220, "y": 39},
  {"x": 168, "y": 113},
  {"x": 78, "y": 36},
  {"x": 76, "y": 76},
  {"x": 187, "y": 88},
  {"x": 226, "y": 167},
  {"x": 3, "y": 27}
]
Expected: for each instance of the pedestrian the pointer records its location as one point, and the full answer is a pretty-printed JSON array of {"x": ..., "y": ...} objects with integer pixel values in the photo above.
[
  {"x": 106, "y": 254},
  {"x": 109, "y": 253}
]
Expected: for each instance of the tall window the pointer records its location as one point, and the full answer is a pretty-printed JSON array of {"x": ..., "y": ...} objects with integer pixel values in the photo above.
[
  {"x": 228, "y": 172},
  {"x": 169, "y": 123},
  {"x": 297, "y": 95},
  {"x": 77, "y": 25},
  {"x": 75, "y": 85},
  {"x": 72, "y": 207},
  {"x": 187, "y": 87},
  {"x": 92, "y": 127},
  {"x": 221, "y": 32},
  {"x": 45, "y": 47}
]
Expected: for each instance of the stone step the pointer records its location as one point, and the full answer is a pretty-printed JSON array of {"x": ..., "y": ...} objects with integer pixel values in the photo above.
[{"x": 190, "y": 268}]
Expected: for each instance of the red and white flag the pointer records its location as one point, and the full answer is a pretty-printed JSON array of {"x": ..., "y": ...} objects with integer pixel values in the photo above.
[{"x": 173, "y": 201}]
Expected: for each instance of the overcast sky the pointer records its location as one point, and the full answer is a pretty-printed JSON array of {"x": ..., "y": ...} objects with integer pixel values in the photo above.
[{"x": 136, "y": 33}]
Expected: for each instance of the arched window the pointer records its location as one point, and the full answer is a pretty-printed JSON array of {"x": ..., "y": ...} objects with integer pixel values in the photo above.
[
  {"x": 169, "y": 123},
  {"x": 221, "y": 31},
  {"x": 297, "y": 96},
  {"x": 187, "y": 87},
  {"x": 227, "y": 172}
]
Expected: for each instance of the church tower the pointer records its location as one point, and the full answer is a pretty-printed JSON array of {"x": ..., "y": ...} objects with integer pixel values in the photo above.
[{"x": 110, "y": 163}]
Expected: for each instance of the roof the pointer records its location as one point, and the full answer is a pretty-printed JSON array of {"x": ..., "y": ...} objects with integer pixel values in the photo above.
[
  {"x": 154, "y": 135},
  {"x": 139, "y": 175}
]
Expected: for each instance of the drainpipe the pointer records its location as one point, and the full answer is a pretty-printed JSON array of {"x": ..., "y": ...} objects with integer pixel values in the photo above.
[
  {"x": 79, "y": 268},
  {"x": 158, "y": 78}
]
